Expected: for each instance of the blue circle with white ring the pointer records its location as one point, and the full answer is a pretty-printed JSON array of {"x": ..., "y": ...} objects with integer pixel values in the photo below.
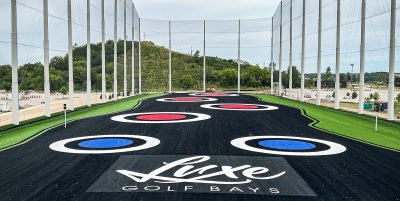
[
  {"x": 107, "y": 143},
  {"x": 334, "y": 148},
  {"x": 60, "y": 146},
  {"x": 292, "y": 145}
]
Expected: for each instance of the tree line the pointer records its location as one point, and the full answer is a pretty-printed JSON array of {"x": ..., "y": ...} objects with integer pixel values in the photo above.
[{"x": 187, "y": 71}]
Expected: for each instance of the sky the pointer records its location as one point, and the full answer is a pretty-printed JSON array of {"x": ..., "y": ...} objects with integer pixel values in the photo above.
[
  {"x": 206, "y": 9},
  {"x": 221, "y": 29}
]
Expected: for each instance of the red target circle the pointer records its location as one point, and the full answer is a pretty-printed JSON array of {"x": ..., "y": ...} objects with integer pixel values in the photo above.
[{"x": 161, "y": 117}]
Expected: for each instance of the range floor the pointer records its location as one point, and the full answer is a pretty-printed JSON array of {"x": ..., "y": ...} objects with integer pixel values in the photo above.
[{"x": 33, "y": 171}]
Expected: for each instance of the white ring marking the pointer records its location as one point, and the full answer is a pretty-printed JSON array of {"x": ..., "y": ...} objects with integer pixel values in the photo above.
[
  {"x": 187, "y": 101},
  {"x": 267, "y": 107},
  {"x": 60, "y": 145},
  {"x": 211, "y": 94},
  {"x": 122, "y": 118}
]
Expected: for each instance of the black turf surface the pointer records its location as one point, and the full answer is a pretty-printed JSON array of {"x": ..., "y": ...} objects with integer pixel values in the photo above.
[{"x": 32, "y": 171}]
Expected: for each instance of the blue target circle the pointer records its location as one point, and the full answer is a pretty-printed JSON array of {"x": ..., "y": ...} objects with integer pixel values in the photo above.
[
  {"x": 293, "y": 145},
  {"x": 105, "y": 143}
]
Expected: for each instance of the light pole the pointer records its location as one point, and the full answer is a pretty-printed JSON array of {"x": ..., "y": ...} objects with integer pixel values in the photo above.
[
  {"x": 65, "y": 115},
  {"x": 351, "y": 75}
]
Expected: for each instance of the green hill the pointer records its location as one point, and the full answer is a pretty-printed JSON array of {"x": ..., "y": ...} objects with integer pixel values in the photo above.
[{"x": 187, "y": 71}]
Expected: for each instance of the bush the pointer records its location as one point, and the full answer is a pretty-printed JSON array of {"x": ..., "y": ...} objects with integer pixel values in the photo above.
[
  {"x": 374, "y": 96},
  {"x": 354, "y": 95},
  {"x": 64, "y": 91},
  {"x": 186, "y": 81}
]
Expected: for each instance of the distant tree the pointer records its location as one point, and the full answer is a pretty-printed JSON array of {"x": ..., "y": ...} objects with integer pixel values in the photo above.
[
  {"x": 197, "y": 53},
  {"x": 5, "y": 75},
  {"x": 354, "y": 95},
  {"x": 228, "y": 77},
  {"x": 296, "y": 77},
  {"x": 382, "y": 78},
  {"x": 254, "y": 76},
  {"x": 375, "y": 96},
  {"x": 398, "y": 98},
  {"x": 327, "y": 76},
  {"x": 186, "y": 81},
  {"x": 343, "y": 80},
  {"x": 220, "y": 72},
  {"x": 309, "y": 83},
  {"x": 64, "y": 91}
]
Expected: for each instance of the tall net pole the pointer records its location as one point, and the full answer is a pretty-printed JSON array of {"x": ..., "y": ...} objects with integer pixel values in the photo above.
[
  {"x": 140, "y": 60},
  {"x": 88, "y": 57},
  {"x": 70, "y": 59},
  {"x": 303, "y": 51},
  {"x": 14, "y": 63},
  {"x": 46, "y": 58},
  {"x": 272, "y": 56},
  {"x": 337, "y": 80},
  {"x": 169, "y": 59},
  {"x": 133, "y": 50},
  {"x": 319, "y": 91},
  {"x": 291, "y": 51},
  {"x": 238, "y": 80},
  {"x": 280, "y": 54},
  {"x": 204, "y": 56},
  {"x": 125, "y": 55},
  {"x": 392, "y": 60},
  {"x": 362, "y": 60},
  {"x": 103, "y": 53},
  {"x": 115, "y": 49}
]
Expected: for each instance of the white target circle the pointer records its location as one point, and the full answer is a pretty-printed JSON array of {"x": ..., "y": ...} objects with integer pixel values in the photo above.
[
  {"x": 264, "y": 107},
  {"x": 185, "y": 101},
  {"x": 122, "y": 118},
  {"x": 213, "y": 94},
  {"x": 60, "y": 145},
  {"x": 334, "y": 148}
]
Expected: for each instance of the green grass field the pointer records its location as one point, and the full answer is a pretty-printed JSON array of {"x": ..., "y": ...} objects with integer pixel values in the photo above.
[
  {"x": 10, "y": 136},
  {"x": 346, "y": 124}
]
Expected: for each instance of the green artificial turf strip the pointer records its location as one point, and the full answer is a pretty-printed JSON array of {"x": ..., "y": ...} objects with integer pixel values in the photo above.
[
  {"x": 346, "y": 124},
  {"x": 25, "y": 131}
]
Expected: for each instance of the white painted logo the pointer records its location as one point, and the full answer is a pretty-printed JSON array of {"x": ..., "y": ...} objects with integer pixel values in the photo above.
[{"x": 187, "y": 172}]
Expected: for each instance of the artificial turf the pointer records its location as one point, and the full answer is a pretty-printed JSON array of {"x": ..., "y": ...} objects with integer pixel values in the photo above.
[
  {"x": 10, "y": 136},
  {"x": 346, "y": 124}
]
